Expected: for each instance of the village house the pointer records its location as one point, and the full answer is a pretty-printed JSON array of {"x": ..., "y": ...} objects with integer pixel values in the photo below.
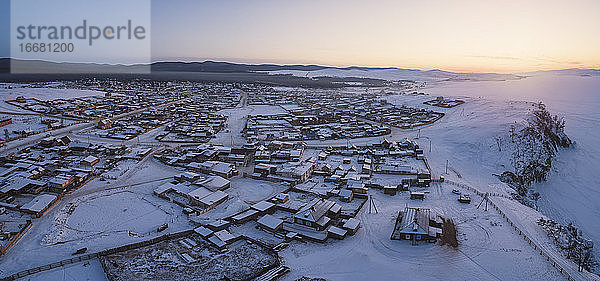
[
  {"x": 53, "y": 141},
  {"x": 270, "y": 223},
  {"x": 390, "y": 189},
  {"x": 61, "y": 182},
  {"x": 222, "y": 169},
  {"x": 188, "y": 176},
  {"x": 346, "y": 195},
  {"x": 423, "y": 179},
  {"x": 416, "y": 195},
  {"x": 395, "y": 170},
  {"x": 245, "y": 216},
  {"x": 225, "y": 236},
  {"x": 214, "y": 183},
  {"x": 104, "y": 124},
  {"x": 299, "y": 171},
  {"x": 203, "y": 232},
  {"x": 262, "y": 156},
  {"x": 39, "y": 204},
  {"x": 416, "y": 225},
  {"x": 351, "y": 225},
  {"x": 282, "y": 198},
  {"x": 264, "y": 207},
  {"x": 90, "y": 161},
  {"x": 264, "y": 170},
  {"x": 17, "y": 184},
  {"x": 218, "y": 225},
  {"x": 357, "y": 187},
  {"x": 213, "y": 199},
  {"x": 314, "y": 214},
  {"x": 336, "y": 232},
  {"x": 184, "y": 194}
]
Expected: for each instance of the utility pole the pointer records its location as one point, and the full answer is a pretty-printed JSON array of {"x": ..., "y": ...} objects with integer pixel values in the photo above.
[
  {"x": 485, "y": 198},
  {"x": 446, "y": 167},
  {"x": 429, "y": 145}
]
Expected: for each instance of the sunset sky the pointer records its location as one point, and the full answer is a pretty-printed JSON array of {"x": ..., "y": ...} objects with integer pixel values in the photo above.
[{"x": 468, "y": 36}]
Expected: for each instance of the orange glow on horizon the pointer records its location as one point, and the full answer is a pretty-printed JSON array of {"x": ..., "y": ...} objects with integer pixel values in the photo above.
[{"x": 461, "y": 36}]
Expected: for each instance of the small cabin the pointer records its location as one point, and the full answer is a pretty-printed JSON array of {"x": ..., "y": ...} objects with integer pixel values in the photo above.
[
  {"x": 270, "y": 223},
  {"x": 417, "y": 195},
  {"x": 390, "y": 189},
  {"x": 282, "y": 198}
]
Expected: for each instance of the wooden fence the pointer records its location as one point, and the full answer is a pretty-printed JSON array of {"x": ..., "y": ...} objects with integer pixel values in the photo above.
[
  {"x": 135, "y": 245},
  {"x": 16, "y": 238},
  {"x": 541, "y": 250},
  {"x": 90, "y": 256},
  {"x": 472, "y": 189}
]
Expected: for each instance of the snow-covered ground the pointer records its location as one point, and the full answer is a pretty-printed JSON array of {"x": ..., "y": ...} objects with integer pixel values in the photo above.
[
  {"x": 572, "y": 192},
  {"x": 43, "y": 93},
  {"x": 489, "y": 249},
  {"x": 98, "y": 216},
  {"x": 236, "y": 120},
  {"x": 252, "y": 191},
  {"x": 90, "y": 270},
  {"x": 465, "y": 137},
  {"x": 26, "y": 122},
  {"x": 38, "y": 93}
]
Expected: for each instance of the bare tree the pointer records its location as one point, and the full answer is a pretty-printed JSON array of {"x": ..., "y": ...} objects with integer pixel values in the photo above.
[{"x": 499, "y": 143}]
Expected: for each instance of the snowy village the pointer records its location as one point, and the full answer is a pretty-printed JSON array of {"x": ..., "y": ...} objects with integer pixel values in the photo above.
[
  {"x": 221, "y": 181},
  {"x": 299, "y": 140}
]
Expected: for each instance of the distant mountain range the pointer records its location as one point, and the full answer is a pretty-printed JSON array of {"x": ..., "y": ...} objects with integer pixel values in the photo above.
[
  {"x": 306, "y": 71},
  {"x": 212, "y": 66},
  {"x": 570, "y": 71}
]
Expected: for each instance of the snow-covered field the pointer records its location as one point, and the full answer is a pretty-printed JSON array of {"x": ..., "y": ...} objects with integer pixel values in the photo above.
[
  {"x": 25, "y": 122},
  {"x": 253, "y": 191},
  {"x": 98, "y": 219},
  {"x": 38, "y": 93},
  {"x": 236, "y": 120},
  {"x": 572, "y": 192},
  {"x": 90, "y": 270},
  {"x": 43, "y": 93},
  {"x": 119, "y": 215}
]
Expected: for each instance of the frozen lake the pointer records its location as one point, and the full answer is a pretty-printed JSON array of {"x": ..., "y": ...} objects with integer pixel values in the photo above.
[{"x": 572, "y": 192}]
